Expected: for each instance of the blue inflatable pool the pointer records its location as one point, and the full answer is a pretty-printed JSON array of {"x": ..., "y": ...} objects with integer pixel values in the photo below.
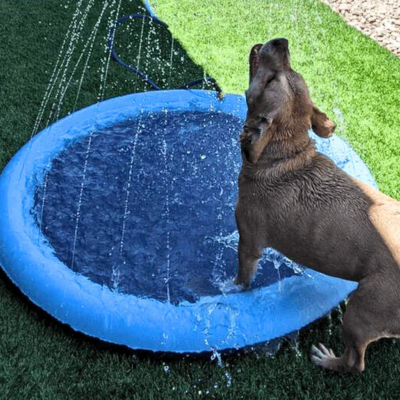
[{"x": 119, "y": 221}]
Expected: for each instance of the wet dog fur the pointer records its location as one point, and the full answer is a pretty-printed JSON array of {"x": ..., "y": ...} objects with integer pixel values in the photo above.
[{"x": 297, "y": 201}]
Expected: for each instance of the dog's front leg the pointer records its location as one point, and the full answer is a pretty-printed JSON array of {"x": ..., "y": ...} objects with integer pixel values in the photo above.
[{"x": 249, "y": 255}]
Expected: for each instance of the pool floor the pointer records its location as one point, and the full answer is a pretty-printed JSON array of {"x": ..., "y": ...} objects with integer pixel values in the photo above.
[{"x": 146, "y": 207}]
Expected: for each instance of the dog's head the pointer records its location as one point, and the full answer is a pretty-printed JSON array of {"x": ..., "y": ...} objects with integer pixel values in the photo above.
[{"x": 278, "y": 101}]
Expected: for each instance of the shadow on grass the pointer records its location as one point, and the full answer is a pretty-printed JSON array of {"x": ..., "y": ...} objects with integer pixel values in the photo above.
[{"x": 84, "y": 74}]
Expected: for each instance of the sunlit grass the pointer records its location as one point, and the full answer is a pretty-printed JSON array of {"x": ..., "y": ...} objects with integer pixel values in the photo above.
[{"x": 353, "y": 79}]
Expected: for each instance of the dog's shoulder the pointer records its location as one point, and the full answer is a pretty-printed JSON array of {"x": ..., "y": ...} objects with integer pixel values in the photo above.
[{"x": 322, "y": 180}]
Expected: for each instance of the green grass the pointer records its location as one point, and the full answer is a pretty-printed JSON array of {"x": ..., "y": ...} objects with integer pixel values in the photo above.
[
  {"x": 344, "y": 69},
  {"x": 43, "y": 359}
]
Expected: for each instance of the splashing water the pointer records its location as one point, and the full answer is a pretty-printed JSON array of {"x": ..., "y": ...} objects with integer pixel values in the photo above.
[
  {"x": 217, "y": 356},
  {"x": 168, "y": 220}
]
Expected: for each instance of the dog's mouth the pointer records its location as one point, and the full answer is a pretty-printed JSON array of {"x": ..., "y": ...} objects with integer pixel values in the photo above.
[
  {"x": 253, "y": 131},
  {"x": 255, "y": 136},
  {"x": 250, "y": 134}
]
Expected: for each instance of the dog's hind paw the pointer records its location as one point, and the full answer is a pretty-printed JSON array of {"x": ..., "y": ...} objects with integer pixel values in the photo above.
[{"x": 323, "y": 357}]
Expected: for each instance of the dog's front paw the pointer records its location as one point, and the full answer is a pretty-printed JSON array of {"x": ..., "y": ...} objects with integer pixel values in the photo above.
[{"x": 245, "y": 285}]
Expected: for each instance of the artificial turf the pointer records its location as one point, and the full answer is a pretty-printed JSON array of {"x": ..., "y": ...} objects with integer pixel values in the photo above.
[
  {"x": 43, "y": 359},
  {"x": 352, "y": 78}
]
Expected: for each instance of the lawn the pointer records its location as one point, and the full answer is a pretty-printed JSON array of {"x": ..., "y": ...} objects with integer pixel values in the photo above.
[{"x": 350, "y": 77}]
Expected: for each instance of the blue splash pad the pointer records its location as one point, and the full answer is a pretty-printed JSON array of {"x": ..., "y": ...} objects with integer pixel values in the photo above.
[
  {"x": 109, "y": 291},
  {"x": 157, "y": 209}
]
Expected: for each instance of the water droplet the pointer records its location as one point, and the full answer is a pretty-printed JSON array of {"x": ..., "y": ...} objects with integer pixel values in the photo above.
[{"x": 228, "y": 377}]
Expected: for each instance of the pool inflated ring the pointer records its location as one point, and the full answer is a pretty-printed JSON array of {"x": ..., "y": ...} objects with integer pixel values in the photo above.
[{"x": 119, "y": 221}]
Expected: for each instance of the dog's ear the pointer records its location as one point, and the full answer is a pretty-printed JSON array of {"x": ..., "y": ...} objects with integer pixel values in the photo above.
[
  {"x": 254, "y": 141},
  {"x": 253, "y": 59},
  {"x": 321, "y": 124}
]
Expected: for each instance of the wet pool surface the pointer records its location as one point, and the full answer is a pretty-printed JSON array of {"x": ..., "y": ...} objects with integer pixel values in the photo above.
[{"x": 146, "y": 207}]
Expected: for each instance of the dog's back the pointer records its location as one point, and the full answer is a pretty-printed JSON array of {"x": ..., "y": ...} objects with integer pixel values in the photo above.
[{"x": 384, "y": 213}]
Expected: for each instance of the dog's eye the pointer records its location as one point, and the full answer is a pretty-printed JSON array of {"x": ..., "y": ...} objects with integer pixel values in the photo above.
[{"x": 269, "y": 80}]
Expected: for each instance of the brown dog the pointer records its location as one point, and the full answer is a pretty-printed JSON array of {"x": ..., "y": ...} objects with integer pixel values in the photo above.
[{"x": 296, "y": 200}]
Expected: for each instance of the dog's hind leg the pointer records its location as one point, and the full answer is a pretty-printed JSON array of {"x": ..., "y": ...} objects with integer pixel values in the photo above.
[{"x": 364, "y": 321}]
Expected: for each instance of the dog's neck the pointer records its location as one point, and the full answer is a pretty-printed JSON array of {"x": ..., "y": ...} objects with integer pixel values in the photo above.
[
  {"x": 287, "y": 151},
  {"x": 286, "y": 146}
]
